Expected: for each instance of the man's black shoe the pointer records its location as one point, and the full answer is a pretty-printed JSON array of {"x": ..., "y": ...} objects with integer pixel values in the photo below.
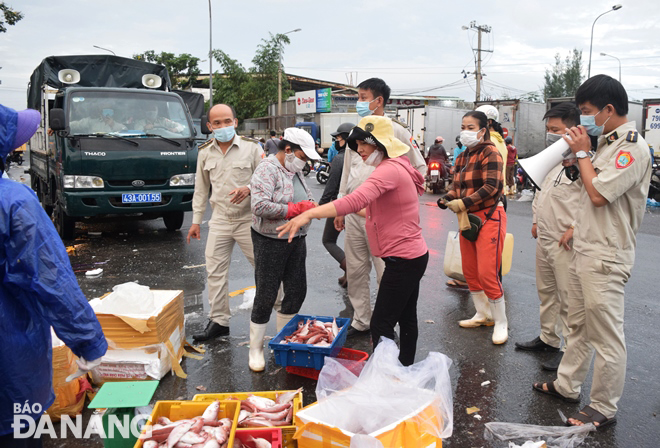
[
  {"x": 213, "y": 330},
  {"x": 352, "y": 332},
  {"x": 553, "y": 364},
  {"x": 536, "y": 345}
]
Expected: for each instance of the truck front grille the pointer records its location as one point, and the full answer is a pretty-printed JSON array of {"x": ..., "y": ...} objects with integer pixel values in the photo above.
[{"x": 128, "y": 183}]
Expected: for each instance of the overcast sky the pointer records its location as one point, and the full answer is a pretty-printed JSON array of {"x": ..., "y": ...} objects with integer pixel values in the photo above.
[{"x": 416, "y": 46}]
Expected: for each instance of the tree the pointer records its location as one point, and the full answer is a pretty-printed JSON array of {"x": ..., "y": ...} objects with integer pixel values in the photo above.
[
  {"x": 251, "y": 90},
  {"x": 565, "y": 77},
  {"x": 8, "y": 17},
  {"x": 183, "y": 69}
]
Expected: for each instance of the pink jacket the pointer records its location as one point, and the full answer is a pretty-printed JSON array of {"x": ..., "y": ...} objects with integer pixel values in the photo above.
[{"x": 390, "y": 195}]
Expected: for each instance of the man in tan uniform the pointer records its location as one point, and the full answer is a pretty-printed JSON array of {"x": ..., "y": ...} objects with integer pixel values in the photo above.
[
  {"x": 224, "y": 167},
  {"x": 554, "y": 210},
  {"x": 373, "y": 95},
  {"x": 611, "y": 208}
]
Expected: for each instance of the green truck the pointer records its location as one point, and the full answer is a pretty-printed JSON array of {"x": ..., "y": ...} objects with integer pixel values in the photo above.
[{"x": 113, "y": 141}]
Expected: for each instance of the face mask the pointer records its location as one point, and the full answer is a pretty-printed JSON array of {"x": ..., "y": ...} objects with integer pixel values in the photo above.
[
  {"x": 151, "y": 115},
  {"x": 293, "y": 163},
  {"x": 589, "y": 123},
  {"x": 572, "y": 172},
  {"x": 375, "y": 158},
  {"x": 108, "y": 112},
  {"x": 224, "y": 134},
  {"x": 551, "y": 138},
  {"x": 469, "y": 138},
  {"x": 362, "y": 108}
]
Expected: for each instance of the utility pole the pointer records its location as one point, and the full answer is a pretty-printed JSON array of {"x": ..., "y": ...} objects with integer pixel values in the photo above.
[
  {"x": 210, "y": 59},
  {"x": 478, "y": 75}
]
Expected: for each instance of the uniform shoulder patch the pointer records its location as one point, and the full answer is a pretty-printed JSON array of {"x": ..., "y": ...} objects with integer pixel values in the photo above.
[
  {"x": 206, "y": 144},
  {"x": 632, "y": 136},
  {"x": 400, "y": 122},
  {"x": 624, "y": 159},
  {"x": 249, "y": 139}
]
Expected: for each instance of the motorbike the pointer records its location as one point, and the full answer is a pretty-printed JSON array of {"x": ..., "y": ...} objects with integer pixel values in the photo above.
[
  {"x": 322, "y": 172},
  {"x": 307, "y": 169},
  {"x": 522, "y": 181},
  {"x": 654, "y": 187},
  {"x": 437, "y": 176},
  {"x": 15, "y": 157}
]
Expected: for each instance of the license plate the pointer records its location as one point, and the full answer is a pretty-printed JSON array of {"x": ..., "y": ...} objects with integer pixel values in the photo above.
[
  {"x": 435, "y": 172},
  {"x": 136, "y": 198}
]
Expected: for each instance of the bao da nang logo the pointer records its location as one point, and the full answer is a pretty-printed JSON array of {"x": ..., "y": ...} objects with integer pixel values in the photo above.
[{"x": 26, "y": 425}]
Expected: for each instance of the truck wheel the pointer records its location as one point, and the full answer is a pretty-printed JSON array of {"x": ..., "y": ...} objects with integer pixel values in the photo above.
[
  {"x": 173, "y": 220},
  {"x": 65, "y": 224}
]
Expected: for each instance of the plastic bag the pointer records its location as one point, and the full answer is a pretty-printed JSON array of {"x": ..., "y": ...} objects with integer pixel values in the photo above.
[
  {"x": 554, "y": 436},
  {"x": 453, "y": 264},
  {"x": 128, "y": 299},
  {"x": 386, "y": 392},
  {"x": 526, "y": 196}
]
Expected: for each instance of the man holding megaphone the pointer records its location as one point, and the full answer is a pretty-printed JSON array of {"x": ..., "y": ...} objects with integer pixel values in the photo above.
[{"x": 610, "y": 210}]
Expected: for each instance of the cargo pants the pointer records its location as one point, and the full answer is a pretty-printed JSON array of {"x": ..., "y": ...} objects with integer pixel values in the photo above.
[{"x": 552, "y": 266}]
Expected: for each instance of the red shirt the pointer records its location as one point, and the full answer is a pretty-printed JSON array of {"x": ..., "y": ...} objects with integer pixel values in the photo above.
[{"x": 512, "y": 152}]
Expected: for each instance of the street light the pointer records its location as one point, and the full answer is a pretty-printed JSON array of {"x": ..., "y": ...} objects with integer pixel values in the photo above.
[
  {"x": 279, "y": 79},
  {"x": 609, "y": 55},
  {"x": 101, "y": 48},
  {"x": 210, "y": 59},
  {"x": 614, "y": 8}
]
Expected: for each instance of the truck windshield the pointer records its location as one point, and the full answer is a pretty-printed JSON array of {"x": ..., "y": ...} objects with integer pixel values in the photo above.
[{"x": 127, "y": 114}]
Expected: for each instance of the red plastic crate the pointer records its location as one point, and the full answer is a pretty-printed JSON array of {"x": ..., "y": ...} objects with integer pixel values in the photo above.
[
  {"x": 273, "y": 435},
  {"x": 345, "y": 353}
]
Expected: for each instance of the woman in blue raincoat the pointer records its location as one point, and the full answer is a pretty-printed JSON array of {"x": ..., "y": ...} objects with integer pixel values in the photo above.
[{"x": 38, "y": 289}]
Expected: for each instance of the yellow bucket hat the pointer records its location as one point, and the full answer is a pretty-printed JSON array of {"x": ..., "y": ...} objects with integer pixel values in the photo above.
[{"x": 378, "y": 131}]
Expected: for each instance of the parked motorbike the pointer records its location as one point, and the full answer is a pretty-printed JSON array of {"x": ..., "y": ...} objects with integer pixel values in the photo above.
[
  {"x": 437, "y": 176},
  {"x": 322, "y": 172},
  {"x": 15, "y": 157},
  {"x": 654, "y": 187},
  {"x": 307, "y": 169}
]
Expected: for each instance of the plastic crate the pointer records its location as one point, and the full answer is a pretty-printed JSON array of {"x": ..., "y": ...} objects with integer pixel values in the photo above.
[
  {"x": 345, "y": 353},
  {"x": 178, "y": 410},
  {"x": 304, "y": 355},
  {"x": 287, "y": 431},
  {"x": 273, "y": 435}
]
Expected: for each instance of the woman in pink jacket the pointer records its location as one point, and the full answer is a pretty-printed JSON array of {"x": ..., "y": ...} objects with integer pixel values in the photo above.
[{"x": 389, "y": 198}]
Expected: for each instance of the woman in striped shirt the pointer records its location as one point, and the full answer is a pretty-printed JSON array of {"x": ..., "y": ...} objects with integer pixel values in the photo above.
[{"x": 477, "y": 188}]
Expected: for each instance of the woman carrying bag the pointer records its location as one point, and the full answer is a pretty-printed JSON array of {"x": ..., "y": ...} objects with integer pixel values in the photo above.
[{"x": 477, "y": 188}]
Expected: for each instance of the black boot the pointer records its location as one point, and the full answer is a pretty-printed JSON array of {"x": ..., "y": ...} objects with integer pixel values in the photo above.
[
  {"x": 213, "y": 330},
  {"x": 536, "y": 345},
  {"x": 553, "y": 364}
]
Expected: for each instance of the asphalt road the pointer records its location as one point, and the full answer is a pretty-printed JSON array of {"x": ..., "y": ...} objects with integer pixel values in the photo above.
[{"x": 145, "y": 252}]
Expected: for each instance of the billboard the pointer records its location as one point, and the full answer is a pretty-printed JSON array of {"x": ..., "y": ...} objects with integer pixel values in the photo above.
[
  {"x": 324, "y": 100},
  {"x": 306, "y": 102}
]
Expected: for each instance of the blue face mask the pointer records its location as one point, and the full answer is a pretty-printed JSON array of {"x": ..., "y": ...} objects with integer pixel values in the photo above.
[
  {"x": 589, "y": 123},
  {"x": 224, "y": 134},
  {"x": 108, "y": 112},
  {"x": 362, "y": 108}
]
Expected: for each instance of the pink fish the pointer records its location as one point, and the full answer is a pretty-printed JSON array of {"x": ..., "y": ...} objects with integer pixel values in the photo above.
[
  {"x": 192, "y": 438},
  {"x": 163, "y": 421},
  {"x": 211, "y": 443},
  {"x": 256, "y": 423},
  {"x": 287, "y": 396},
  {"x": 335, "y": 329},
  {"x": 150, "y": 444},
  {"x": 273, "y": 415},
  {"x": 177, "y": 433},
  {"x": 211, "y": 412},
  {"x": 258, "y": 442},
  {"x": 198, "y": 423}
]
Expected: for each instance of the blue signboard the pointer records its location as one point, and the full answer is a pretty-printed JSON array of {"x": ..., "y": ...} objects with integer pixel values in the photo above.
[{"x": 324, "y": 100}]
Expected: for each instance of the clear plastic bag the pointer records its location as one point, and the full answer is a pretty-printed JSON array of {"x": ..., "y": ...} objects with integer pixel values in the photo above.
[
  {"x": 386, "y": 393},
  {"x": 554, "y": 436}
]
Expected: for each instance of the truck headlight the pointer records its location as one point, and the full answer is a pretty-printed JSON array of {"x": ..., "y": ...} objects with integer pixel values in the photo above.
[
  {"x": 83, "y": 182},
  {"x": 182, "y": 180}
]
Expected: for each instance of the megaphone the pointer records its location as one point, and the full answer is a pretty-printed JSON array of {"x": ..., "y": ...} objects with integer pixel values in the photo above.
[
  {"x": 68, "y": 76},
  {"x": 152, "y": 81},
  {"x": 538, "y": 166}
]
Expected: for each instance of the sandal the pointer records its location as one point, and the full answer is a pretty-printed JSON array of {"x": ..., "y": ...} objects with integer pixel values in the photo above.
[
  {"x": 456, "y": 283},
  {"x": 590, "y": 415},
  {"x": 552, "y": 391}
]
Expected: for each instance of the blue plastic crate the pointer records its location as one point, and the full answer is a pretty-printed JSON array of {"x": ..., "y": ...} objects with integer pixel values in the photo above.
[{"x": 303, "y": 355}]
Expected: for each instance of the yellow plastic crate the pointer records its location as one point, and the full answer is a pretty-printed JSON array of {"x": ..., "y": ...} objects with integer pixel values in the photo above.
[
  {"x": 287, "y": 431},
  {"x": 415, "y": 431},
  {"x": 178, "y": 410}
]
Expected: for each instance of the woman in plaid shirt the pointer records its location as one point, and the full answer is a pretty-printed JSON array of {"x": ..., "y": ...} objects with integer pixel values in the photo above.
[{"x": 477, "y": 188}]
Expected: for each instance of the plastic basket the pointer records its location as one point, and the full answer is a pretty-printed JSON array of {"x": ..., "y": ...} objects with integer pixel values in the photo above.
[
  {"x": 273, "y": 435},
  {"x": 345, "y": 353},
  {"x": 304, "y": 355},
  {"x": 287, "y": 431},
  {"x": 178, "y": 410}
]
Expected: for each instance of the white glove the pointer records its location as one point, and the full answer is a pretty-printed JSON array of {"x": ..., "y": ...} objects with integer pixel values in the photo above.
[{"x": 84, "y": 367}]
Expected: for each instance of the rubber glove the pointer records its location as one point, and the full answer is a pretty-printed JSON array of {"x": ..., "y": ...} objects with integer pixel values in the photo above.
[
  {"x": 463, "y": 221},
  {"x": 84, "y": 366},
  {"x": 456, "y": 205},
  {"x": 298, "y": 208}
]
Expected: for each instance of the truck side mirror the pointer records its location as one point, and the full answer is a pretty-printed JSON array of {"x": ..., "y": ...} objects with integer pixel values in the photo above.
[
  {"x": 56, "y": 119},
  {"x": 203, "y": 126}
]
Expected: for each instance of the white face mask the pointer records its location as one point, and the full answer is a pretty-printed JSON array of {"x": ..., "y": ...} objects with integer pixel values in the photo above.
[
  {"x": 293, "y": 163},
  {"x": 469, "y": 138},
  {"x": 375, "y": 158}
]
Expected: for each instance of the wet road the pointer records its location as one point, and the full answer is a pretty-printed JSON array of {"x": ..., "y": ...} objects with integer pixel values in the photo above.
[{"x": 145, "y": 252}]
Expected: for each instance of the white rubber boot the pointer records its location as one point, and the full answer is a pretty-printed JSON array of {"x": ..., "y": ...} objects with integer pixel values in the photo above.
[
  {"x": 282, "y": 320},
  {"x": 500, "y": 332},
  {"x": 256, "y": 357},
  {"x": 506, "y": 190},
  {"x": 482, "y": 316}
]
